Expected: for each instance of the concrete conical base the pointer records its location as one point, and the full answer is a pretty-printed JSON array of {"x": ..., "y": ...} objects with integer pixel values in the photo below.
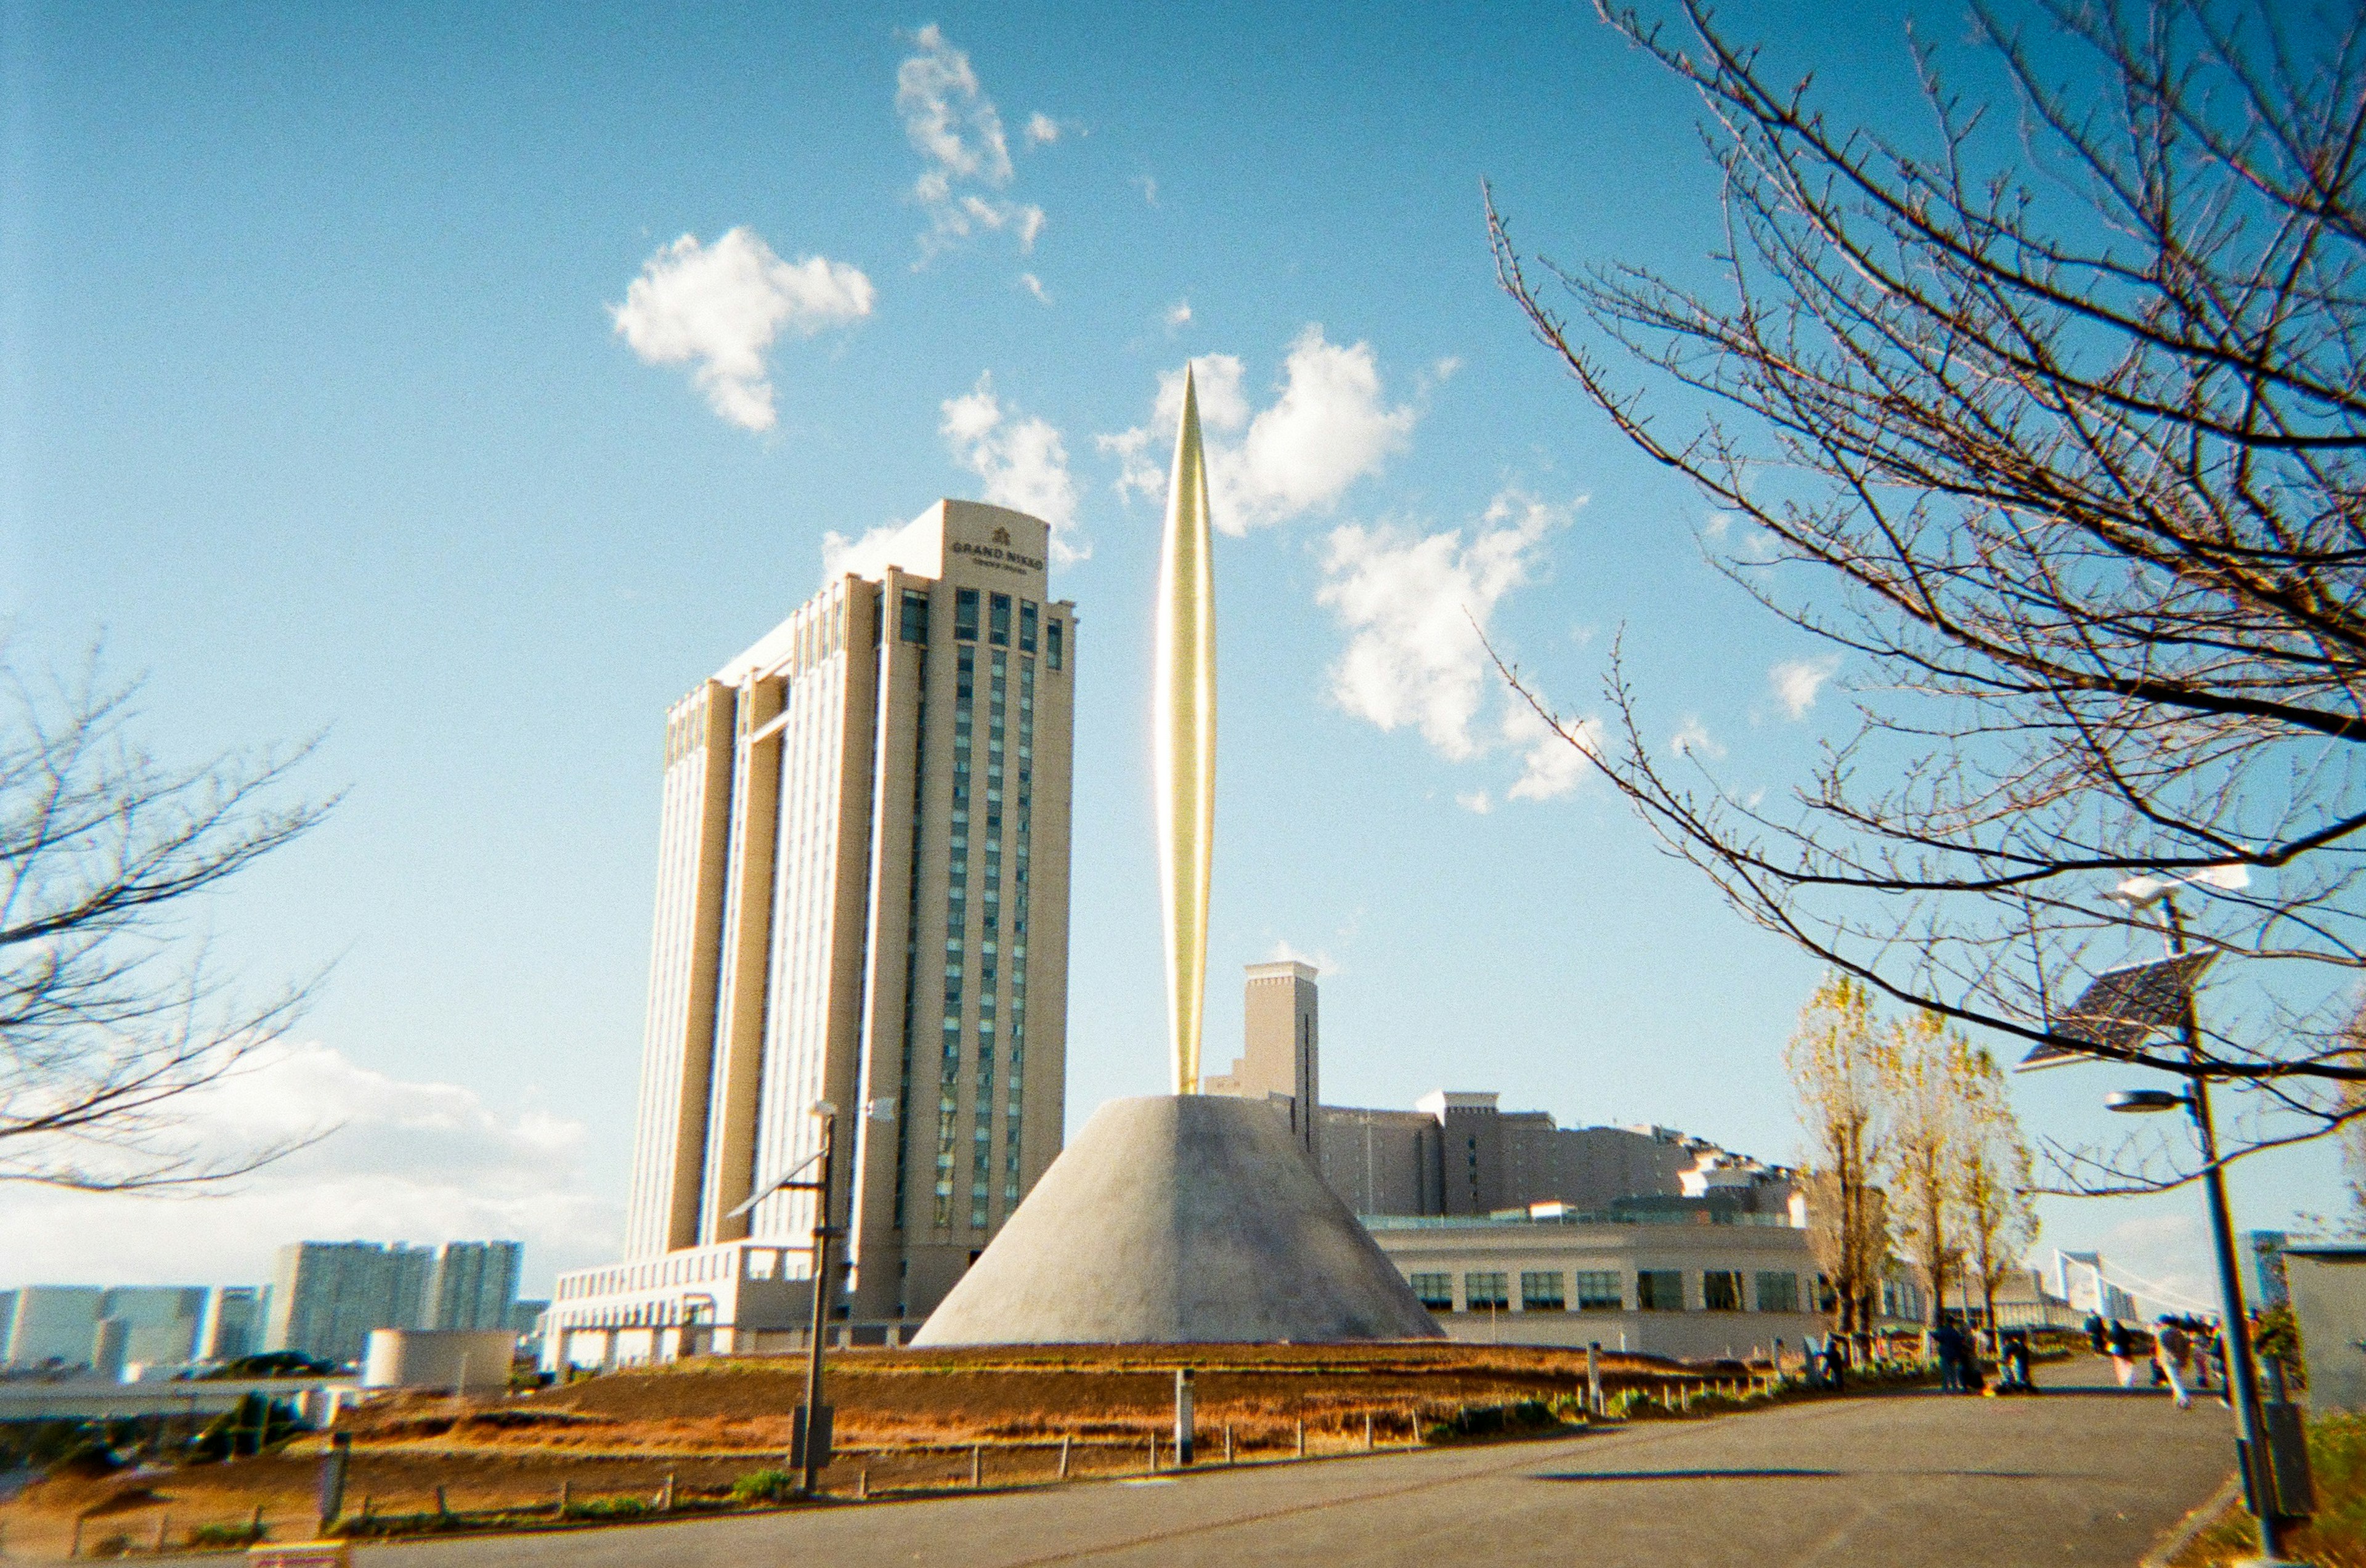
[{"x": 1178, "y": 1220}]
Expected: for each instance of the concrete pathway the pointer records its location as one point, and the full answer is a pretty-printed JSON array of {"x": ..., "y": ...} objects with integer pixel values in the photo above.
[{"x": 2082, "y": 1474}]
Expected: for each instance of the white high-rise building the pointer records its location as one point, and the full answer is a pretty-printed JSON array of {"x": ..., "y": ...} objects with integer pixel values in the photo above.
[{"x": 862, "y": 897}]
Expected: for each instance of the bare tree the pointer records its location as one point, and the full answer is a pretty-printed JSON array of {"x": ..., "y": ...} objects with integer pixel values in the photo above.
[
  {"x": 109, "y": 1015},
  {"x": 2055, "y": 439},
  {"x": 1833, "y": 1060},
  {"x": 1997, "y": 1182}
]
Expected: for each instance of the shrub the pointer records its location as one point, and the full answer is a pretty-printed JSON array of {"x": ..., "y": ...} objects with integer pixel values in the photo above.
[
  {"x": 1492, "y": 1421},
  {"x": 609, "y": 1508},
  {"x": 246, "y": 1532},
  {"x": 764, "y": 1486}
]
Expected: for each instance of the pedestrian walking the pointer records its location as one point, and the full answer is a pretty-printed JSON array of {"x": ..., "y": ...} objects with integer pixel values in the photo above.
[
  {"x": 2120, "y": 1345},
  {"x": 2095, "y": 1333},
  {"x": 2172, "y": 1351},
  {"x": 1947, "y": 1349},
  {"x": 1968, "y": 1374},
  {"x": 1835, "y": 1365}
]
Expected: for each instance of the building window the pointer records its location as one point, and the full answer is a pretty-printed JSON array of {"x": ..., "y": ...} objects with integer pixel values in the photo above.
[
  {"x": 1659, "y": 1290},
  {"x": 1027, "y": 626},
  {"x": 1051, "y": 642},
  {"x": 1778, "y": 1292},
  {"x": 965, "y": 614},
  {"x": 1435, "y": 1291},
  {"x": 1480, "y": 1292},
  {"x": 914, "y": 627},
  {"x": 1721, "y": 1290},
  {"x": 998, "y": 624},
  {"x": 1541, "y": 1291},
  {"x": 1598, "y": 1290}
]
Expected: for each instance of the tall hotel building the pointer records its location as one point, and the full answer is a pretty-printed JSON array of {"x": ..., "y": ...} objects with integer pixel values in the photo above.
[{"x": 862, "y": 897}]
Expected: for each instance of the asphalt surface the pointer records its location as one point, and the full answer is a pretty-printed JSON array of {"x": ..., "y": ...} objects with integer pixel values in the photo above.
[{"x": 2081, "y": 1473}]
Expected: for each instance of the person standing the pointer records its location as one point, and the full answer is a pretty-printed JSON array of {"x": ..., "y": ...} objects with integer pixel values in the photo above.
[
  {"x": 2095, "y": 1333},
  {"x": 2120, "y": 1345},
  {"x": 2171, "y": 1350}
]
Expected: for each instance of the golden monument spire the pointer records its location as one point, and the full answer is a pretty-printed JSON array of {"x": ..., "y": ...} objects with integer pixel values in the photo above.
[{"x": 1184, "y": 738}]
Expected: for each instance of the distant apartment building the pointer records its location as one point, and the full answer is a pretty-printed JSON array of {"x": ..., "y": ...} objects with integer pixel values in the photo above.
[
  {"x": 53, "y": 1324},
  {"x": 474, "y": 1285},
  {"x": 328, "y": 1295},
  {"x": 88, "y": 1326},
  {"x": 234, "y": 1322},
  {"x": 863, "y": 898}
]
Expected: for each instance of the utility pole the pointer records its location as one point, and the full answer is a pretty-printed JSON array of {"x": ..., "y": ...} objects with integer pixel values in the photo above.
[{"x": 813, "y": 1425}]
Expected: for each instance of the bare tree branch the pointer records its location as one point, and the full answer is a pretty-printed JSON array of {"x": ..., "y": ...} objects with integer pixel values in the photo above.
[
  {"x": 110, "y": 1013},
  {"x": 2057, "y": 430}
]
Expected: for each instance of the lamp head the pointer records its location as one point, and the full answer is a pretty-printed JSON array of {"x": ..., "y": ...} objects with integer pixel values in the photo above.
[
  {"x": 2143, "y": 1101},
  {"x": 823, "y": 1110}
]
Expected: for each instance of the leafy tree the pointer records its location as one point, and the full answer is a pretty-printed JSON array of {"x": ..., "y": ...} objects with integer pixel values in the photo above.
[
  {"x": 1919, "y": 1066},
  {"x": 1997, "y": 1182},
  {"x": 1833, "y": 1060}
]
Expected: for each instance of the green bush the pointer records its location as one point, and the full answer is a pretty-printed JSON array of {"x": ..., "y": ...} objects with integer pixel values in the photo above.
[
  {"x": 764, "y": 1486},
  {"x": 1492, "y": 1421},
  {"x": 246, "y": 1532},
  {"x": 609, "y": 1508}
]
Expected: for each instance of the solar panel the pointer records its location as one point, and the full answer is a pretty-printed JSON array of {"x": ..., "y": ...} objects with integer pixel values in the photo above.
[{"x": 2123, "y": 1006}]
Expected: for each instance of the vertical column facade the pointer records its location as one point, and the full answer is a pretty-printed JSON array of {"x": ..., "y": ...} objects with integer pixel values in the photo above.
[
  {"x": 669, "y": 1140},
  {"x": 862, "y": 897}
]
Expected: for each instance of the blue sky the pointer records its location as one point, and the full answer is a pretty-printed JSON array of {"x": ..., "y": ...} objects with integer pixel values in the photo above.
[{"x": 327, "y": 400}]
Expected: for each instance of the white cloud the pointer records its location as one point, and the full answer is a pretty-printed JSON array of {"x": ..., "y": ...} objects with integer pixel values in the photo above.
[
  {"x": 837, "y": 549},
  {"x": 1552, "y": 760},
  {"x": 1718, "y": 522},
  {"x": 955, "y": 128},
  {"x": 1414, "y": 608},
  {"x": 1477, "y": 802},
  {"x": 1328, "y": 426},
  {"x": 1149, "y": 189},
  {"x": 1691, "y": 738},
  {"x": 1796, "y": 681},
  {"x": 1041, "y": 129},
  {"x": 1285, "y": 951},
  {"x": 1022, "y": 461},
  {"x": 406, "y": 1160},
  {"x": 1035, "y": 284},
  {"x": 720, "y": 306},
  {"x": 1178, "y": 314},
  {"x": 1135, "y": 467}
]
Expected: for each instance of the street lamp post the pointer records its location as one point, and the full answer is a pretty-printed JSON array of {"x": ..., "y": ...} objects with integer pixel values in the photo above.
[{"x": 2259, "y": 1487}]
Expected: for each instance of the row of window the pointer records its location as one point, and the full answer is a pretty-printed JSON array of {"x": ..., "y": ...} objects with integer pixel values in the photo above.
[
  {"x": 1001, "y": 611},
  {"x": 1604, "y": 1289}
]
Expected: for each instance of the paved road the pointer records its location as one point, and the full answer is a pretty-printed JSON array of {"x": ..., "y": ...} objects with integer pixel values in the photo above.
[{"x": 2080, "y": 1475}]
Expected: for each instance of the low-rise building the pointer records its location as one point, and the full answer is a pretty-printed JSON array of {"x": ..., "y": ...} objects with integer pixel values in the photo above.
[
  {"x": 1713, "y": 1280},
  {"x": 735, "y": 1298}
]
